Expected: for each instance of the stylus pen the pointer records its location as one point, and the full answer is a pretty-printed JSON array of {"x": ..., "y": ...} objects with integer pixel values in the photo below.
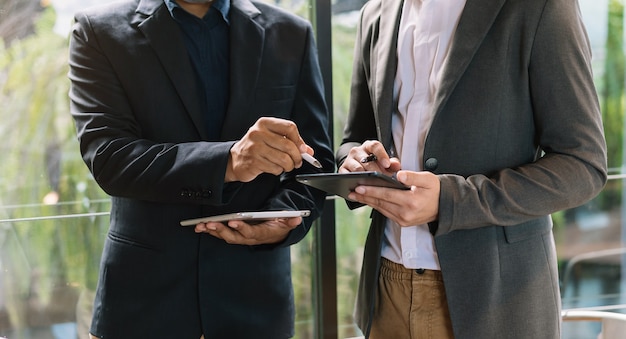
[
  {"x": 369, "y": 158},
  {"x": 308, "y": 158}
]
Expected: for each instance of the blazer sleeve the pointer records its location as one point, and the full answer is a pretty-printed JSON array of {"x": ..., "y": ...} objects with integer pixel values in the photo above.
[
  {"x": 139, "y": 142},
  {"x": 361, "y": 122},
  {"x": 572, "y": 168},
  {"x": 121, "y": 151}
]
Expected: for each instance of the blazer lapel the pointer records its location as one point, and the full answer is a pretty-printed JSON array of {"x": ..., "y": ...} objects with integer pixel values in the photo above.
[
  {"x": 476, "y": 20},
  {"x": 247, "y": 42},
  {"x": 385, "y": 65},
  {"x": 156, "y": 23}
]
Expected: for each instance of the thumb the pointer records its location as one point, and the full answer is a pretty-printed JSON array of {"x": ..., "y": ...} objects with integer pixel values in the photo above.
[{"x": 408, "y": 178}]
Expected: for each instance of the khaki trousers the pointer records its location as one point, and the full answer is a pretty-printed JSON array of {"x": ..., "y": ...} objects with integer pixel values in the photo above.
[{"x": 410, "y": 304}]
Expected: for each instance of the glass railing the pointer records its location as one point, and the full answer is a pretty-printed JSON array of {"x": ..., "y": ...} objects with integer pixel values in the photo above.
[
  {"x": 49, "y": 263},
  {"x": 48, "y": 272},
  {"x": 49, "y": 269},
  {"x": 591, "y": 245}
]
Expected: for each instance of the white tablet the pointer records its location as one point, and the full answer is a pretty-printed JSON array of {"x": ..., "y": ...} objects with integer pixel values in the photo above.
[{"x": 260, "y": 216}]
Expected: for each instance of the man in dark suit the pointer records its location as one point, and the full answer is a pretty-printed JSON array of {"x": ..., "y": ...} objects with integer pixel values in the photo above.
[
  {"x": 187, "y": 109},
  {"x": 488, "y": 110}
]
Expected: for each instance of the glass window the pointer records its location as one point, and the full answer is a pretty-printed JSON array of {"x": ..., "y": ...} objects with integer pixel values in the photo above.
[{"x": 53, "y": 216}]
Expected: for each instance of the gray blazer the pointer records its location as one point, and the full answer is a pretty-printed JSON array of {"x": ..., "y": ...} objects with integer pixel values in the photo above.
[
  {"x": 142, "y": 134},
  {"x": 517, "y": 135}
]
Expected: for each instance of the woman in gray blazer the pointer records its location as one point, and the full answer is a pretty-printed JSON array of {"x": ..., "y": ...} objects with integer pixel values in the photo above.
[{"x": 516, "y": 135}]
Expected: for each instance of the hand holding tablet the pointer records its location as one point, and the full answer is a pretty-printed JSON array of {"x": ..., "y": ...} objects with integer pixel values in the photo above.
[
  {"x": 247, "y": 216},
  {"x": 342, "y": 184}
]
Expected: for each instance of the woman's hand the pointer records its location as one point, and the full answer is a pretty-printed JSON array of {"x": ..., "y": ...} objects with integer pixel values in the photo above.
[{"x": 416, "y": 206}]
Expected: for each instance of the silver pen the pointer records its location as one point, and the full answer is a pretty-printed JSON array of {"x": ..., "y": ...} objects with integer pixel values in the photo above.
[{"x": 311, "y": 160}]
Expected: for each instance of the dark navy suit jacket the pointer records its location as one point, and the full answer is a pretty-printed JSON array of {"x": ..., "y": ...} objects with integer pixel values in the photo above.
[{"x": 135, "y": 103}]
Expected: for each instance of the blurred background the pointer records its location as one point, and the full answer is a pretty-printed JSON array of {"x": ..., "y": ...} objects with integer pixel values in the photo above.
[{"x": 53, "y": 216}]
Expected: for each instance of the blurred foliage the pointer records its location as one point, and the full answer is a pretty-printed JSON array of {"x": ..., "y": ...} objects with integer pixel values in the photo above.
[
  {"x": 611, "y": 92},
  {"x": 43, "y": 261}
]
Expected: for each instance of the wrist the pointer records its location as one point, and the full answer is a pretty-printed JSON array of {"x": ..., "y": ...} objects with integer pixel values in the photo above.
[{"x": 230, "y": 176}]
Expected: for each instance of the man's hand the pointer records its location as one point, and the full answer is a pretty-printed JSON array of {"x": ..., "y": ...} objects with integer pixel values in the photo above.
[
  {"x": 241, "y": 233},
  {"x": 271, "y": 145}
]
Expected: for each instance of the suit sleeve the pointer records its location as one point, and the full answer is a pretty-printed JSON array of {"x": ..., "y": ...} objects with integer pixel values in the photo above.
[
  {"x": 122, "y": 160},
  {"x": 153, "y": 152},
  {"x": 360, "y": 124},
  {"x": 569, "y": 131}
]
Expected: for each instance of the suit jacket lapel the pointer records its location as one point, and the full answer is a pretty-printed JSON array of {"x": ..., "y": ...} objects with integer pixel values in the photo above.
[
  {"x": 476, "y": 20},
  {"x": 156, "y": 23},
  {"x": 385, "y": 66},
  {"x": 246, "y": 48}
]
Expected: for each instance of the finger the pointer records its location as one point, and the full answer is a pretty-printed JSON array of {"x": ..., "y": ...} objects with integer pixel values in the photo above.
[
  {"x": 292, "y": 222},
  {"x": 279, "y": 161},
  {"x": 392, "y": 211},
  {"x": 253, "y": 154},
  {"x": 354, "y": 161},
  {"x": 381, "y": 196},
  {"x": 293, "y": 135},
  {"x": 279, "y": 223},
  {"x": 291, "y": 153},
  {"x": 287, "y": 129},
  {"x": 309, "y": 150},
  {"x": 216, "y": 229},
  {"x": 246, "y": 230},
  {"x": 395, "y": 165},
  {"x": 351, "y": 165},
  {"x": 425, "y": 180},
  {"x": 232, "y": 235},
  {"x": 270, "y": 231},
  {"x": 205, "y": 227},
  {"x": 375, "y": 166},
  {"x": 390, "y": 202},
  {"x": 342, "y": 169},
  {"x": 376, "y": 148}
]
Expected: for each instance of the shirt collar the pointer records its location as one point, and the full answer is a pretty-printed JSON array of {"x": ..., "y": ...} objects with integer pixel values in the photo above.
[{"x": 222, "y": 6}]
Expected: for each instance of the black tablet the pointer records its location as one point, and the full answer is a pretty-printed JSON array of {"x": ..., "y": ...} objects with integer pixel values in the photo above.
[{"x": 342, "y": 184}]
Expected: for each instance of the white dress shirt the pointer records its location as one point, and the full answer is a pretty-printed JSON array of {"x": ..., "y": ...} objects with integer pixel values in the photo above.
[{"x": 426, "y": 31}]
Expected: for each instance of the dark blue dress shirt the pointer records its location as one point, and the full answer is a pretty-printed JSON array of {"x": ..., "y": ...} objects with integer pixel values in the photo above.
[{"x": 207, "y": 42}]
